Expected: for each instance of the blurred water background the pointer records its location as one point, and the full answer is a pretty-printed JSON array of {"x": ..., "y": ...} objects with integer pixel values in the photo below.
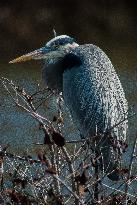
[{"x": 27, "y": 25}]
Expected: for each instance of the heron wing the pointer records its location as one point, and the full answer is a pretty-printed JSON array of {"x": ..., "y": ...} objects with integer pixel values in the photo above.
[{"x": 94, "y": 94}]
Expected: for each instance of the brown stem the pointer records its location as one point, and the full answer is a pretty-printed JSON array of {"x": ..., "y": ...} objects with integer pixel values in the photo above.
[
  {"x": 72, "y": 172},
  {"x": 130, "y": 169},
  {"x": 54, "y": 164}
]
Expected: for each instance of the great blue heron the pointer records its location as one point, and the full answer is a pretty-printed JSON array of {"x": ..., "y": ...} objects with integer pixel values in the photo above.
[{"x": 91, "y": 90}]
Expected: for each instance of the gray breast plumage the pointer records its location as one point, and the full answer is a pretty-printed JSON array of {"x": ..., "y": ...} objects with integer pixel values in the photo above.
[{"x": 94, "y": 94}]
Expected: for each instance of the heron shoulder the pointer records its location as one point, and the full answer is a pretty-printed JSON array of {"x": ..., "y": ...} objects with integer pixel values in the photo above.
[
  {"x": 90, "y": 53},
  {"x": 79, "y": 55}
]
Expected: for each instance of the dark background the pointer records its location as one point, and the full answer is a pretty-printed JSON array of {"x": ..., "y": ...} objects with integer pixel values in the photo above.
[
  {"x": 110, "y": 24},
  {"x": 28, "y": 24}
]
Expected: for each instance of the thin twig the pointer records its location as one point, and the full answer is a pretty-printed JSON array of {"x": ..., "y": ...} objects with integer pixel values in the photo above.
[
  {"x": 54, "y": 164},
  {"x": 69, "y": 189},
  {"x": 130, "y": 169},
  {"x": 71, "y": 170},
  {"x": 118, "y": 190}
]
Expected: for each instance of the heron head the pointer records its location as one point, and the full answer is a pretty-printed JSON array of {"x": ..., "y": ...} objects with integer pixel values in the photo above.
[{"x": 54, "y": 49}]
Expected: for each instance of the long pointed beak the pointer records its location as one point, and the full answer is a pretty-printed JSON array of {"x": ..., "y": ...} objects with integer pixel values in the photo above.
[{"x": 37, "y": 54}]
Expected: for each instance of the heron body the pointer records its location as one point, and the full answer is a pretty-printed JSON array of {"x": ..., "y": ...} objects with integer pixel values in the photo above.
[
  {"x": 94, "y": 93},
  {"x": 91, "y": 90}
]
